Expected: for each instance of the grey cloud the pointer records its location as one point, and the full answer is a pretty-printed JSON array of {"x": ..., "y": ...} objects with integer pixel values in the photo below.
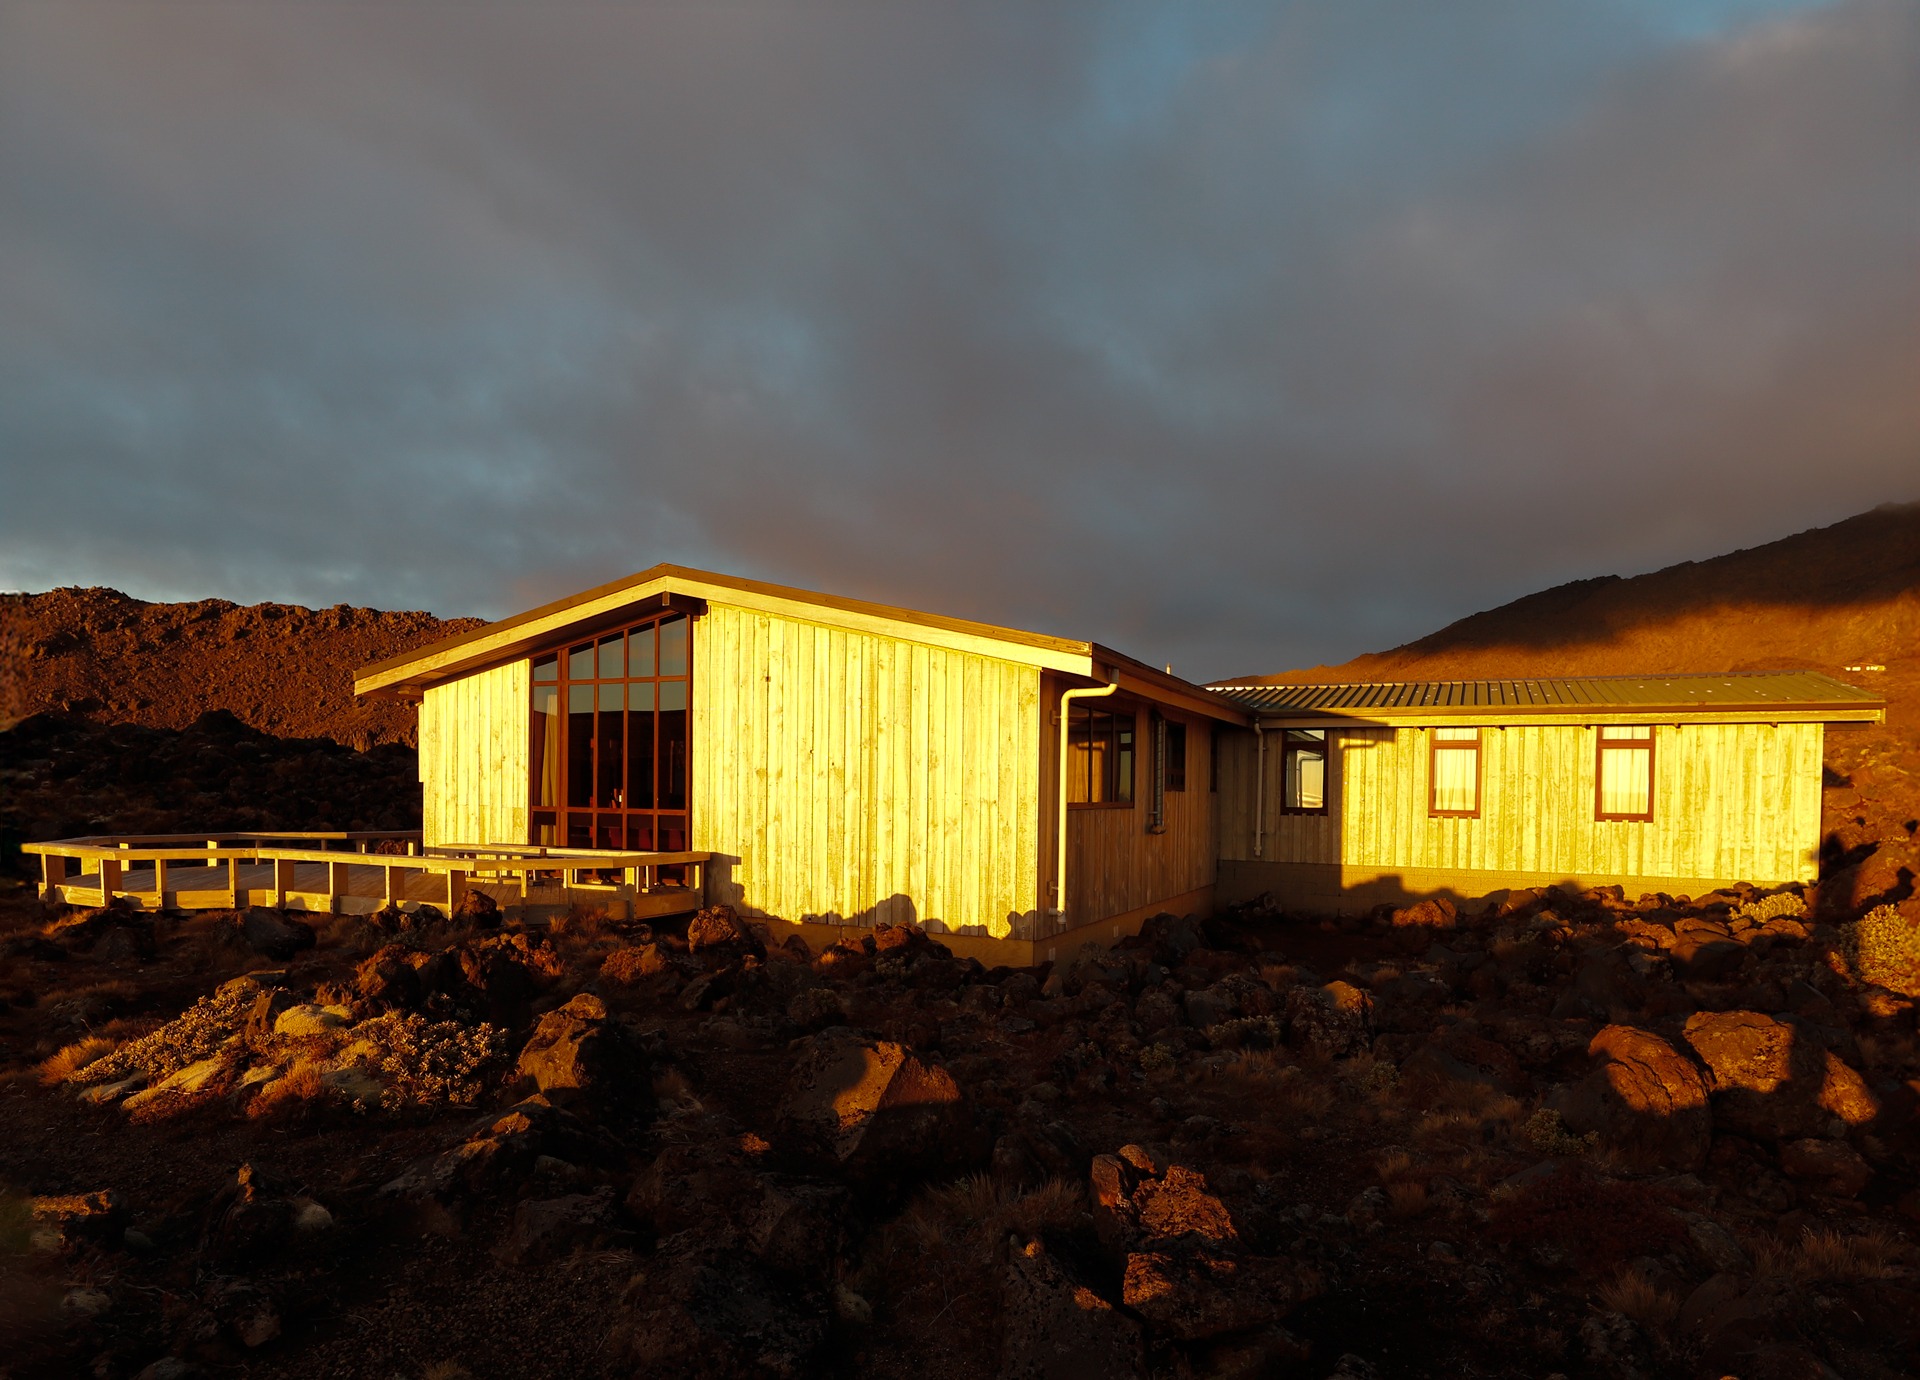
[{"x": 1240, "y": 338}]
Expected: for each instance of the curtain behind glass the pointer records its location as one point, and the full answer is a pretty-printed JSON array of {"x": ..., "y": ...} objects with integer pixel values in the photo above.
[{"x": 1456, "y": 772}]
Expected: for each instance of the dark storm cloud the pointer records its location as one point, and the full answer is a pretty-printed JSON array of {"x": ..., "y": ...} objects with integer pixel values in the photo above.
[{"x": 1241, "y": 338}]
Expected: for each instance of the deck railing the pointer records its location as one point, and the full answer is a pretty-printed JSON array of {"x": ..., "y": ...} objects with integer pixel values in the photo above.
[{"x": 332, "y": 871}]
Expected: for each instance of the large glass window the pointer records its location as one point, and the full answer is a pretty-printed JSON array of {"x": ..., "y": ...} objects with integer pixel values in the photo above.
[
  {"x": 1100, "y": 753},
  {"x": 1454, "y": 760},
  {"x": 1303, "y": 771},
  {"x": 1624, "y": 776},
  {"x": 608, "y": 750}
]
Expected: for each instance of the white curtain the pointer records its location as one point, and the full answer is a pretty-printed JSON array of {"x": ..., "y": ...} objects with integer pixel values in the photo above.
[
  {"x": 1456, "y": 771},
  {"x": 1626, "y": 773}
]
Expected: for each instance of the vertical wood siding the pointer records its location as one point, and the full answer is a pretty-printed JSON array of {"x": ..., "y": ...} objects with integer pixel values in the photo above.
[
  {"x": 1116, "y": 866},
  {"x": 1730, "y": 801},
  {"x": 473, "y": 757},
  {"x": 857, "y": 778}
]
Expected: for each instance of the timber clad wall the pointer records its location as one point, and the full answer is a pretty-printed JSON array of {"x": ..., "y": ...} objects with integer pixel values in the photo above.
[
  {"x": 1731, "y": 801},
  {"x": 473, "y": 758},
  {"x": 848, "y": 772}
]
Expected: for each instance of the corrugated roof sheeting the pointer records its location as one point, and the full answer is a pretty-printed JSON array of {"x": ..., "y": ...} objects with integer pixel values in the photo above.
[{"x": 1740, "y": 689}]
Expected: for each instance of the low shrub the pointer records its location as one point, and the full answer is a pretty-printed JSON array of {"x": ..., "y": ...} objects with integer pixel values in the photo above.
[
  {"x": 193, "y": 1035},
  {"x": 1597, "y": 1222},
  {"x": 429, "y": 1063},
  {"x": 73, "y": 1058},
  {"x": 1780, "y": 905},
  {"x": 1883, "y": 949},
  {"x": 1549, "y": 1135},
  {"x": 1633, "y": 1296}
]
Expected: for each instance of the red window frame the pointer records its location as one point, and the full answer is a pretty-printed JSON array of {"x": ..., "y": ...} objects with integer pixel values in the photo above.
[
  {"x": 1437, "y": 745},
  {"x": 1602, "y": 745}
]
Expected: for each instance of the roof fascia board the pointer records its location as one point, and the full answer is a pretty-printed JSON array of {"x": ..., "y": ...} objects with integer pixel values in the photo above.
[
  {"x": 1139, "y": 679},
  {"x": 1494, "y": 718},
  {"x": 524, "y": 633}
]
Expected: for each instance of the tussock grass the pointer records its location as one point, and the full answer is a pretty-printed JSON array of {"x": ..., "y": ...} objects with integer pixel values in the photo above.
[
  {"x": 1824, "y": 1254},
  {"x": 299, "y": 1091},
  {"x": 1632, "y": 1295},
  {"x": 72, "y": 1058}
]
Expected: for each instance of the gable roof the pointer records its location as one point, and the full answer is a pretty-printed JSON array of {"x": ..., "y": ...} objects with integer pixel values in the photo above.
[
  {"x": 409, "y": 674},
  {"x": 1749, "y": 695}
]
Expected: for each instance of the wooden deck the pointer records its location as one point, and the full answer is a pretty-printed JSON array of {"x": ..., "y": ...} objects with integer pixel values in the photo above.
[{"x": 232, "y": 872}]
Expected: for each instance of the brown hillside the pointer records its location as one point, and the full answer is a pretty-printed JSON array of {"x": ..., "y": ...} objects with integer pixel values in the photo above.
[
  {"x": 1825, "y": 599},
  {"x": 278, "y": 668}
]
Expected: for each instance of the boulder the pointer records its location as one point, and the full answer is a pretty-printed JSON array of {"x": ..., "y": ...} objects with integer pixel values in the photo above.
[
  {"x": 1459, "y": 1056},
  {"x": 1334, "y": 1021},
  {"x": 1192, "y": 1295},
  {"x": 272, "y": 935},
  {"x": 872, "y": 1106},
  {"x": 1645, "y": 1100},
  {"x": 65, "y": 1220},
  {"x": 817, "y": 1008},
  {"x": 1056, "y": 1328},
  {"x": 577, "y": 1054},
  {"x": 720, "y": 927},
  {"x": 1435, "y": 913},
  {"x": 1703, "y": 955},
  {"x": 546, "y": 1229},
  {"x": 1210, "y": 1006},
  {"x": 299, "y": 1022},
  {"x": 1831, "y": 1166},
  {"x": 387, "y": 980},
  {"x": 1771, "y": 1078}
]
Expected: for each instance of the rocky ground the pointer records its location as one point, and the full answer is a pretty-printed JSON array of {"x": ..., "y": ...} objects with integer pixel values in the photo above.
[
  {"x": 1584, "y": 1135},
  {"x": 64, "y": 776}
]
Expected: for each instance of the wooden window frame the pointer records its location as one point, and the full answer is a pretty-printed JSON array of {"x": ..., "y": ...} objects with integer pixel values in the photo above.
[
  {"x": 1090, "y": 709},
  {"x": 1601, "y": 745},
  {"x": 562, "y": 683},
  {"x": 1325, "y": 744},
  {"x": 1476, "y": 745}
]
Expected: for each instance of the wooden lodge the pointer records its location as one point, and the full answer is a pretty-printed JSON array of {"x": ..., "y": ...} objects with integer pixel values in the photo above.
[{"x": 682, "y": 737}]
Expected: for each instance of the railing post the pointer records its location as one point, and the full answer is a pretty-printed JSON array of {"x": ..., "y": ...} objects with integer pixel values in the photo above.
[
  {"x": 456, "y": 889},
  {"x": 53, "y": 875},
  {"x": 109, "y": 879},
  {"x": 283, "y": 881},
  {"x": 233, "y": 881},
  {"x": 336, "y": 885},
  {"x": 160, "y": 884},
  {"x": 391, "y": 888}
]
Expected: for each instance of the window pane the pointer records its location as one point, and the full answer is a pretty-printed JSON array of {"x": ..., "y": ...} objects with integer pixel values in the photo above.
[
  {"x": 579, "y": 745},
  {"x": 1456, "y": 735},
  {"x": 580, "y": 663},
  {"x": 670, "y": 776},
  {"x": 609, "y": 749},
  {"x": 1123, "y": 759},
  {"x": 673, "y": 646},
  {"x": 1626, "y": 781},
  {"x": 640, "y": 745},
  {"x": 1456, "y": 780},
  {"x": 1079, "y": 757},
  {"x": 579, "y": 831},
  {"x": 1627, "y": 733},
  {"x": 613, "y": 657},
  {"x": 640, "y": 652},
  {"x": 545, "y": 830},
  {"x": 1304, "y": 781},
  {"x": 547, "y": 668},
  {"x": 673, "y": 694},
  {"x": 640, "y": 833},
  {"x": 545, "y": 746}
]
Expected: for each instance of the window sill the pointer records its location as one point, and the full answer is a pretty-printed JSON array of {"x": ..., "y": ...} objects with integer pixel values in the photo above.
[{"x": 1099, "y": 804}]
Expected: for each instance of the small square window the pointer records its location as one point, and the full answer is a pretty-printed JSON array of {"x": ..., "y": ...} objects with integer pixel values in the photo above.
[
  {"x": 1303, "y": 771},
  {"x": 1454, "y": 773},
  {"x": 1623, "y": 775}
]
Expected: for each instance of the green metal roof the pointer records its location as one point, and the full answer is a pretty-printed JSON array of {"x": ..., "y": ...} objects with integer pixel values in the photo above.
[{"x": 1798, "y": 694}]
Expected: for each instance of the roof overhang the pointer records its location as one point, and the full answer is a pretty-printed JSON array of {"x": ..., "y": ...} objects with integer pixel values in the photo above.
[
  {"x": 1511, "y": 717},
  {"x": 410, "y": 674}
]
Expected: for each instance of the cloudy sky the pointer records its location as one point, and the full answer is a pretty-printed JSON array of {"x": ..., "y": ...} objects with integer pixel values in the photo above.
[{"x": 1241, "y": 337}]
